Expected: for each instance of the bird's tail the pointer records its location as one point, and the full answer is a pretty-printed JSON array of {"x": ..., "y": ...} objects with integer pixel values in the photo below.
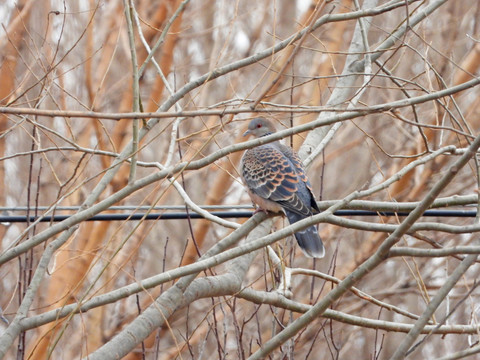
[{"x": 308, "y": 239}]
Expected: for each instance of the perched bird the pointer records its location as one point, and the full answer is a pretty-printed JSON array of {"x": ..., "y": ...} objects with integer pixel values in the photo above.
[{"x": 276, "y": 181}]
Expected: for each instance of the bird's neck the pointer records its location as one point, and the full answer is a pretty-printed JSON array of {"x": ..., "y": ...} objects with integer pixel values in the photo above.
[{"x": 266, "y": 134}]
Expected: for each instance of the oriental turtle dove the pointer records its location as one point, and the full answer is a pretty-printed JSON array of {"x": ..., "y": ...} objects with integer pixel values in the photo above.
[{"x": 276, "y": 181}]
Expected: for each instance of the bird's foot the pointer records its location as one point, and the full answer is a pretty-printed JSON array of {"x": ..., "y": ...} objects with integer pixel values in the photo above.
[{"x": 259, "y": 209}]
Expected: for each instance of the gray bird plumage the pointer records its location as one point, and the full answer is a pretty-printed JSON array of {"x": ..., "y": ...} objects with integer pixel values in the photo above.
[{"x": 276, "y": 181}]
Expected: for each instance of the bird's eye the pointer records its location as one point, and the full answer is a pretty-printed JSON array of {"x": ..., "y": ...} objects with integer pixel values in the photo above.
[{"x": 259, "y": 126}]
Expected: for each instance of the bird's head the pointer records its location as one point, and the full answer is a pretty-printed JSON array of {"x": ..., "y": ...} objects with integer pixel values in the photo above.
[{"x": 259, "y": 127}]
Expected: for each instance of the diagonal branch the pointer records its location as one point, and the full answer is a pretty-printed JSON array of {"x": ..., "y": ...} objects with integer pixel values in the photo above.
[{"x": 376, "y": 259}]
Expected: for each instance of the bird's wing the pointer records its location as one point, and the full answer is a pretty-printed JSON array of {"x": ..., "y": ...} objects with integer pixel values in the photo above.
[
  {"x": 298, "y": 166},
  {"x": 270, "y": 174}
]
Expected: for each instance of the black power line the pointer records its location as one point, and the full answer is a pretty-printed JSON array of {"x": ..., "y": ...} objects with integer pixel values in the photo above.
[{"x": 224, "y": 214}]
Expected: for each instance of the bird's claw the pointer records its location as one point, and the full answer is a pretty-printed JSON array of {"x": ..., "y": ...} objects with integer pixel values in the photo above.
[{"x": 258, "y": 210}]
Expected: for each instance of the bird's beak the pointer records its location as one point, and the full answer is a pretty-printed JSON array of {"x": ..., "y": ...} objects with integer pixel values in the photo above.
[{"x": 246, "y": 133}]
